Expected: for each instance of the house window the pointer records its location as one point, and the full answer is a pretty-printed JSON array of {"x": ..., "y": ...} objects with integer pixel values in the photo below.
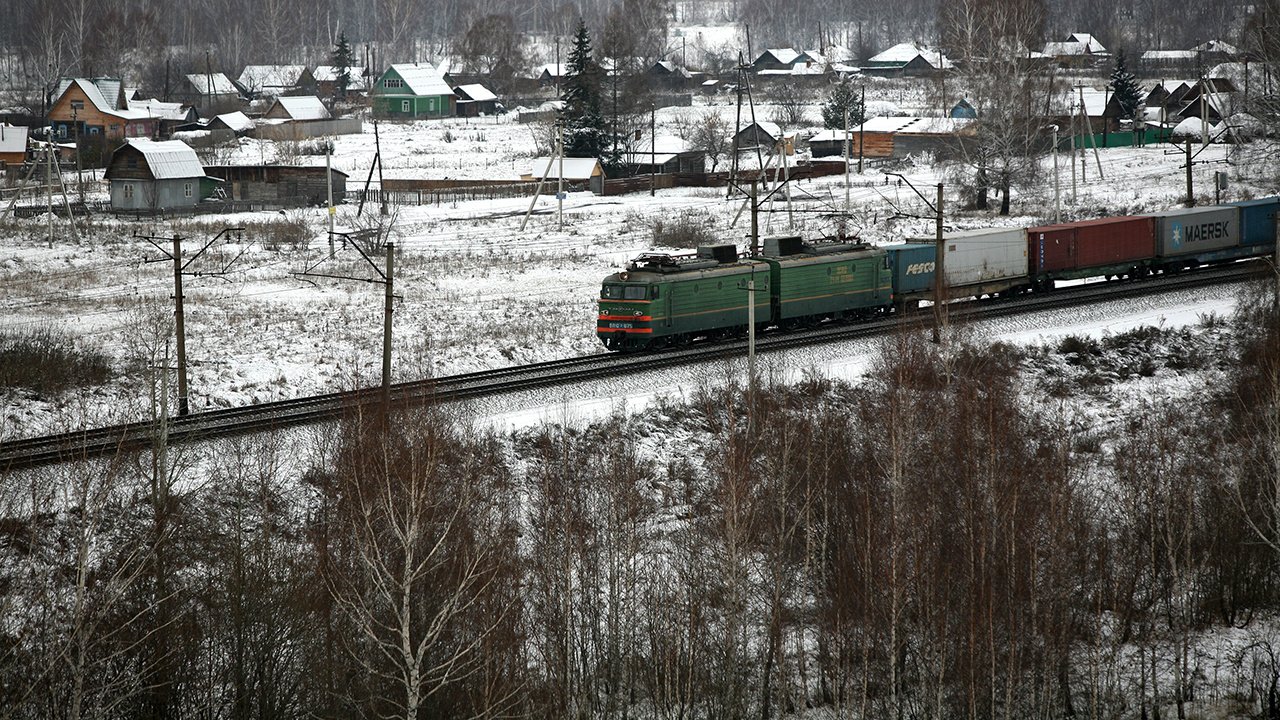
[
  {"x": 393, "y": 83},
  {"x": 77, "y": 104},
  {"x": 94, "y": 130},
  {"x": 186, "y": 189},
  {"x": 115, "y": 129},
  {"x": 131, "y": 163},
  {"x": 404, "y": 106},
  {"x": 128, "y": 191}
]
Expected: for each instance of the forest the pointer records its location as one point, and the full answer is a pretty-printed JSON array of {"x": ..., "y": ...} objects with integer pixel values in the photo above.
[{"x": 944, "y": 539}]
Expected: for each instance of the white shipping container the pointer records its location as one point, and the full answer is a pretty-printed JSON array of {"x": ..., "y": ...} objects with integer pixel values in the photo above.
[{"x": 975, "y": 257}]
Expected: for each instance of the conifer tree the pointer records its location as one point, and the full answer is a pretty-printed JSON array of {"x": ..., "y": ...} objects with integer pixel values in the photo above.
[
  {"x": 1125, "y": 86},
  {"x": 342, "y": 63},
  {"x": 584, "y": 134},
  {"x": 843, "y": 95}
]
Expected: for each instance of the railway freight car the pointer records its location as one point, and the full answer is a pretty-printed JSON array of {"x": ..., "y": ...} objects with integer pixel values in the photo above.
[
  {"x": 1119, "y": 246},
  {"x": 978, "y": 262},
  {"x": 1198, "y": 236},
  {"x": 662, "y": 300},
  {"x": 811, "y": 282},
  {"x": 1258, "y": 221}
]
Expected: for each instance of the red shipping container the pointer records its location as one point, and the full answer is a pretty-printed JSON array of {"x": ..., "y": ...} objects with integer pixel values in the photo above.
[{"x": 1090, "y": 244}]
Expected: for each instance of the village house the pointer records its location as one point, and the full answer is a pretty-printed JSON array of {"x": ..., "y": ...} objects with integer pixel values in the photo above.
[
  {"x": 97, "y": 109},
  {"x": 411, "y": 91},
  {"x": 274, "y": 80},
  {"x": 237, "y": 122},
  {"x": 666, "y": 154},
  {"x": 327, "y": 80},
  {"x": 898, "y": 137},
  {"x": 907, "y": 59},
  {"x": 150, "y": 175},
  {"x": 297, "y": 107},
  {"x": 1078, "y": 50},
  {"x": 763, "y": 134},
  {"x": 169, "y": 116},
  {"x": 211, "y": 93}
]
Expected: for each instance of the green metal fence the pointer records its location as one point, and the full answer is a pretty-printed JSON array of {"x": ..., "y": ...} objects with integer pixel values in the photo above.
[{"x": 1124, "y": 138}]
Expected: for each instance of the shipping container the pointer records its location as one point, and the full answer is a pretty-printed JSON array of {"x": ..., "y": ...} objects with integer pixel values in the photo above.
[
  {"x": 1109, "y": 246},
  {"x": 1258, "y": 220},
  {"x": 985, "y": 260},
  {"x": 1196, "y": 231},
  {"x": 911, "y": 266}
]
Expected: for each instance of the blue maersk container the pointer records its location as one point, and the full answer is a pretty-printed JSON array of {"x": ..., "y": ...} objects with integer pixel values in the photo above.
[
  {"x": 1258, "y": 220},
  {"x": 912, "y": 267}
]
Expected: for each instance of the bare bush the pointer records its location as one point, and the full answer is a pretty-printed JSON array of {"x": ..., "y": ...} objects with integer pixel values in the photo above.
[{"x": 48, "y": 362}]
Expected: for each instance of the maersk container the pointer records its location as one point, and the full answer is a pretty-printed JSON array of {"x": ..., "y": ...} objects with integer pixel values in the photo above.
[
  {"x": 1197, "y": 230},
  {"x": 991, "y": 257},
  {"x": 1258, "y": 220},
  {"x": 1110, "y": 245},
  {"x": 912, "y": 268}
]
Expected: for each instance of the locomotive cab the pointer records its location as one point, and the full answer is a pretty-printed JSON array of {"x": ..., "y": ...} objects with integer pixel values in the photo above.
[{"x": 625, "y": 321}]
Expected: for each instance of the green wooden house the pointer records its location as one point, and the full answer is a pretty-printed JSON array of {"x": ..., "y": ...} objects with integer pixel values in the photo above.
[{"x": 411, "y": 90}]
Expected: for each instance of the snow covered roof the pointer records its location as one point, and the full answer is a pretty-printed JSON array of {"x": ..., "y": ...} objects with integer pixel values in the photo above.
[
  {"x": 271, "y": 77},
  {"x": 552, "y": 70},
  {"x": 422, "y": 79},
  {"x": 829, "y": 135},
  {"x": 1217, "y": 46},
  {"x": 786, "y": 56},
  {"x": 236, "y": 121},
  {"x": 169, "y": 159},
  {"x": 329, "y": 73},
  {"x": 159, "y": 109},
  {"x": 304, "y": 107},
  {"x": 477, "y": 92},
  {"x": 1193, "y": 127},
  {"x": 770, "y": 128},
  {"x": 1090, "y": 42},
  {"x": 797, "y": 69},
  {"x": 574, "y": 168},
  {"x": 221, "y": 84},
  {"x": 903, "y": 53},
  {"x": 13, "y": 138},
  {"x": 1168, "y": 55},
  {"x": 915, "y": 125},
  {"x": 92, "y": 91}
]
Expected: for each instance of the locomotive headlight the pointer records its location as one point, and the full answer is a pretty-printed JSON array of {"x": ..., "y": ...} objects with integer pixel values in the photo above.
[{"x": 636, "y": 313}]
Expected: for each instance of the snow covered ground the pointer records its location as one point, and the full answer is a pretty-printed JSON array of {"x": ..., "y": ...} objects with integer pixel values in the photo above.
[{"x": 474, "y": 290}]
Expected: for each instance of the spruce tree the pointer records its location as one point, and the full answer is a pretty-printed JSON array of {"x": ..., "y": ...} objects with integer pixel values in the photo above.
[
  {"x": 1125, "y": 86},
  {"x": 843, "y": 96},
  {"x": 584, "y": 133},
  {"x": 342, "y": 63}
]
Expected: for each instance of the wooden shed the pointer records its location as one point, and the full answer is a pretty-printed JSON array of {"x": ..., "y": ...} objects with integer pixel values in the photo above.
[
  {"x": 150, "y": 175},
  {"x": 897, "y": 137},
  {"x": 13, "y": 144},
  {"x": 284, "y": 184}
]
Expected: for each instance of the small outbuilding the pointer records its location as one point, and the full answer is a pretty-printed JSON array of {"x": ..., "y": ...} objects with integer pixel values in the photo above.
[
  {"x": 578, "y": 172},
  {"x": 151, "y": 175},
  {"x": 898, "y": 137},
  {"x": 297, "y": 107},
  {"x": 13, "y": 144},
  {"x": 284, "y": 184},
  {"x": 475, "y": 100}
]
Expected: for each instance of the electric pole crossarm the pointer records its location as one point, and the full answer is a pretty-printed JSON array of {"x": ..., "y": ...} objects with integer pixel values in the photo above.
[{"x": 928, "y": 203}]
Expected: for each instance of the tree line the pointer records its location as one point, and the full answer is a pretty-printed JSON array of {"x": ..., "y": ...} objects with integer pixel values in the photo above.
[{"x": 925, "y": 544}]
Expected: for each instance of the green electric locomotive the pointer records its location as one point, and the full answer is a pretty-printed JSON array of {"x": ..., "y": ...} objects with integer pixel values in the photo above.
[{"x": 662, "y": 300}]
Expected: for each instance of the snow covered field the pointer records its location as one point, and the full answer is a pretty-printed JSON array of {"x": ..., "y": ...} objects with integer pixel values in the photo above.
[{"x": 474, "y": 290}]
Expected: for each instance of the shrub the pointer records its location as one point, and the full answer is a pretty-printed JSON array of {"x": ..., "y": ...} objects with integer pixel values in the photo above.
[
  {"x": 49, "y": 363},
  {"x": 689, "y": 229}
]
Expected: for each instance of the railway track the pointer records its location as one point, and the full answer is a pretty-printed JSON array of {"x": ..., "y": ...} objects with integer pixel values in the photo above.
[{"x": 96, "y": 442}]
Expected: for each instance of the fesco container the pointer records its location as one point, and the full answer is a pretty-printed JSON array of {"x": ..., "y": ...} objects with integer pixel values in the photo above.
[
  {"x": 1079, "y": 248},
  {"x": 912, "y": 266},
  {"x": 1197, "y": 230},
  {"x": 979, "y": 257},
  {"x": 1258, "y": 220}
]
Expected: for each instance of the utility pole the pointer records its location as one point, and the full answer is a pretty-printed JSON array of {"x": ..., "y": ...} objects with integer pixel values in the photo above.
[
  {"x": 328, "y": 181},
  {"x": 75, "y": 124},
  {"x": 386, "y": 278},
  {"x": 386, "y": 326},
  {"x": 848, "y": 142},
  {"x": 1191, "y": 198},
  {"x": 939, "y": 276},
  {"x": 755, "y": 218},
  {"x": 560, "y": 176},
  {"x": 863, "y": 131},
  {"x": 180, "y": 268},
  {"x": 653, "y": 149},
  {"x": 1089, "y": 129},
  {"x": 1057, "y": 194},
  {"x": 48, "y": 183},
  {"x": 179, "y": 327},
  {"x": 382, "y": 189},
  {"x": 1072, "y": 161}
]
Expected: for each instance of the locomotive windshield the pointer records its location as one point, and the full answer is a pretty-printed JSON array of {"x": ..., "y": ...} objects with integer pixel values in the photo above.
[{"x": 623, "y": 292}]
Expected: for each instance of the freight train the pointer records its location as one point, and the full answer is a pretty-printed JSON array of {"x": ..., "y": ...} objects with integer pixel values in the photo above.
[{"x": 661, "y": 300}]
